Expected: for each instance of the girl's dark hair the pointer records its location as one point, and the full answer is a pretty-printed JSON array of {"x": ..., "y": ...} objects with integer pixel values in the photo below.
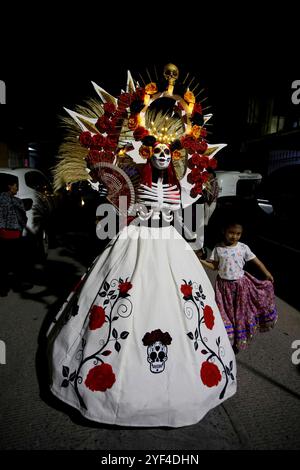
[
  {"x": 231, "y": 222},
  {"x": 232, "y": 217}
]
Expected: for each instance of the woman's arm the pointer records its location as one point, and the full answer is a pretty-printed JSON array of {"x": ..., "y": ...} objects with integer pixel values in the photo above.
[{"x": 263, "y": 269}]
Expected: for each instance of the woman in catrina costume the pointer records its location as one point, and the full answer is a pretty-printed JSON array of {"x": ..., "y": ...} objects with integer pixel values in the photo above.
[{"x": 140, "y": 340}]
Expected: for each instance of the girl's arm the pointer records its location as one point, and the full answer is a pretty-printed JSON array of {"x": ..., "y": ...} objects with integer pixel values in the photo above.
[
  {"x": 210, "y": 264},
  {"x": 263, "y": 269}
]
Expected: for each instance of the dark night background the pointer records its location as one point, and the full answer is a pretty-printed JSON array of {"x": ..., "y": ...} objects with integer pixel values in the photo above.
[
  {"x": 246, "y": 57},
  {"x": 35, "y": 100}
]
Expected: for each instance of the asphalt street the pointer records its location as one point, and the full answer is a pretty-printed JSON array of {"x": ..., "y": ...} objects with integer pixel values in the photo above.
[{"x": 263, "y": 415}]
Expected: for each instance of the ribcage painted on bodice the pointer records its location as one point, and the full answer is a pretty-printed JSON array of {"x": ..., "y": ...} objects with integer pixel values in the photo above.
[{"x": 159, "y": 198}]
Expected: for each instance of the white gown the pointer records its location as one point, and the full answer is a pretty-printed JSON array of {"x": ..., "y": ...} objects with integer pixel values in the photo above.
[{"x": 141, "y": 342}]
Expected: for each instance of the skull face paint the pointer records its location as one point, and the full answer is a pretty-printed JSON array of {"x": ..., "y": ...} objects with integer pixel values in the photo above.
[{"x": 161, "y": 156}]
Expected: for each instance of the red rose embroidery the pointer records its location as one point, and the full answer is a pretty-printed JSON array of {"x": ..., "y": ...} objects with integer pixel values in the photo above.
[
  {"x": 186, "y": 289},
  {"x": 124, "y": 287},
  {"x": 209, "y": 318},
  {"x": 100, "y": 378},
  {"x": 210, "y": 374},
  {"x": 97, "y": 317}
]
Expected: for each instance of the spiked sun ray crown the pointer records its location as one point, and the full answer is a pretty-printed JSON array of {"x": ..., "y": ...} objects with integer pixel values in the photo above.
[{"x": 119, "y": 133}]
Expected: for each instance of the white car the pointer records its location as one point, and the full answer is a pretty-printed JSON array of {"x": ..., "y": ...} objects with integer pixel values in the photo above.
[
  {"x": 244, "y": 184},
  {"x": 36, "y": 192}
]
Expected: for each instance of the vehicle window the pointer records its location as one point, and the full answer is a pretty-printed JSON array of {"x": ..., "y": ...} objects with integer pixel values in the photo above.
[
  {"x": 247, "y": 188},
  {"x": 4, "y": 179},
  {"x": 37, "y": 181}
]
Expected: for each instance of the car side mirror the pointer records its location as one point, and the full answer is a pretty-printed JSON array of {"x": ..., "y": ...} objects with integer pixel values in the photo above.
[{"x": 27, "y": 204}]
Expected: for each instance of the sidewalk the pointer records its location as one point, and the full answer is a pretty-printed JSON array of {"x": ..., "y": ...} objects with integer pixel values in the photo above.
[{"x": 264, "y": 414}]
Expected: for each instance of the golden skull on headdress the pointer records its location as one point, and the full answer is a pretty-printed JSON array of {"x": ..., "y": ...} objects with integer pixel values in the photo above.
[{"x": 171, "y": 73}]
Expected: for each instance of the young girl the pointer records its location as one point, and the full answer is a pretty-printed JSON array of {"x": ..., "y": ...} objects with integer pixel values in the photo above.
[{"x": 247, "y": 305}]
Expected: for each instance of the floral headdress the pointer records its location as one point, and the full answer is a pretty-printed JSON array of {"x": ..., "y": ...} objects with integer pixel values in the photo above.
[{"x": 127, "y": 128}]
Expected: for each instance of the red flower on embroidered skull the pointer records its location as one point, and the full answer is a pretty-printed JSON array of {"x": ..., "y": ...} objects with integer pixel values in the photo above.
[
  {"x": 210, "y": 374},
  {"x": 209, "y": 318},
  {"x": 100, "y": 378},
  {"x": 97, "y": 317}
]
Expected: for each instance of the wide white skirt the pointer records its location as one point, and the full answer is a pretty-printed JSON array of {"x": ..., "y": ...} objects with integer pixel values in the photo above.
[{"x": 140, "y": 342}]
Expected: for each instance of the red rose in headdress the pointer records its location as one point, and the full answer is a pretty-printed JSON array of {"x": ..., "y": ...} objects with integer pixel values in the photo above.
[
  {"x": 97, "y": 142},
  {"x": 133, "y": 122},
  {"x": 201, "y": 147},
  {"x": 212, "y": 163},
  {"x": 103, "y": 124},
  {"x": 140, "y": 132},
  {"x": 85, "y": 139},
  {"x": 197, "y": 109},
  {"x": 124, "y": 101},
  {"x": 109, "y": 108}
]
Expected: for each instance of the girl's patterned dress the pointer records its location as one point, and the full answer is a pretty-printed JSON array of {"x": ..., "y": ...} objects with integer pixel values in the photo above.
[{"x": 247, "y": 305}]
